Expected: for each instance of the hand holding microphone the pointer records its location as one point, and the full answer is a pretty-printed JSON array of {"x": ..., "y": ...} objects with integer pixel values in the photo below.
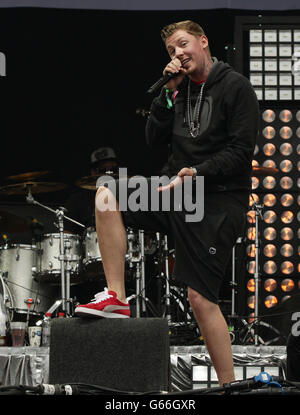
[
  {"x": 172, "y": 76},
  {"x": 175, "y": 68}
]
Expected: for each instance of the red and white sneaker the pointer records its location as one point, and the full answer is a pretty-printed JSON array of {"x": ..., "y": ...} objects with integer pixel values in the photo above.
[{"x": 105, "y": 304}]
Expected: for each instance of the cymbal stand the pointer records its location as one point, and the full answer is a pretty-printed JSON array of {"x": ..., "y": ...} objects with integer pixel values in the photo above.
[
  {"x": 139, "y": 261},
  {"x": 167, "y": 281},
  {"x": 258, "y": 214},
  {"x": 233, "y": 285},
  {"x": 252, "y": 328},
  {"x": 65, "y": 271}
]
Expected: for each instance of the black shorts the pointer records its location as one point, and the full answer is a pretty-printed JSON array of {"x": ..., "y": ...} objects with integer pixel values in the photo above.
[{"x": 202, "y": 249}]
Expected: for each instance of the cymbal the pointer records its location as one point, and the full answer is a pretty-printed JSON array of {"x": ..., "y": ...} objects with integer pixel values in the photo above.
[
  {"x": 10, "y": 223},
  {"x": 89, "y": 182},
  {"x": 27, "y": 176},
  {"x": 34, "y": 187},
  {"x": 261, "y": 171}
]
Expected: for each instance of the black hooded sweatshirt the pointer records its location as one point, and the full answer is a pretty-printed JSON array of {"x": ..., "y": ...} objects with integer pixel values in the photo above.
[{"x": 223, "y": 150}]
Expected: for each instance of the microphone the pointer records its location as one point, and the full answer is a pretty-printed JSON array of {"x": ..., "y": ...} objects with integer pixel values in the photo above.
[{"x": 162, "y": 81}]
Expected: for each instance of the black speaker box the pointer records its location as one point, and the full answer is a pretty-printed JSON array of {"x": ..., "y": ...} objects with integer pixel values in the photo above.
[{"x": 128, "y": 355}]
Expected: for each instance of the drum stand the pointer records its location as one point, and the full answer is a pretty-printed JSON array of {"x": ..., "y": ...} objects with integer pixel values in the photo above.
[
  {"x": 170, "y": 292},
  {"x": 139, "y": 262},
  {"x": 140, "y": 295},
  {"x": 167, "y": 280},
  {"x": 252, "y": 328},
  {"x": 63, "y": 257}
]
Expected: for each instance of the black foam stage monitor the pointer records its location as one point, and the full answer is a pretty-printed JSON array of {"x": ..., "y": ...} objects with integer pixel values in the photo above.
[{"x": 127, "y": 355}]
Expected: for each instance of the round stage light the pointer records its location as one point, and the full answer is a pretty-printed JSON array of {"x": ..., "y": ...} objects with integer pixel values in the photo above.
[
  {"x": 255, "y": 182},
  {"x": 286, "y": 182},
  {"x": 251, "y": 267},
  {"x": 286, "y": 133},
  {"x": 251, "y": 285},
  {"x": 298, "y": 115},
  {"x": 269, "y": 149},
  {"x": 286, "y": 149},
  {"x": 251, "y": 302},
  {"x": 269, "y": 182},
  {"x": 270, "y": 285},
  {"x": 286, "y": 234},
  {"x": 253, "y": 198},
  {"x": 298, "y": 132},
  {"x": 255, "y": 163},
  {"x": 270, "y": 216},
  {"x": 287, "y": 267},
  {"x": 269, "y": 132},
  {"x": 251, "y": 216},
  {"x": 270, "y": 250},
  {"x": 268, "y": 116},
  {"x": 287, "y": 285},
  {"x": 251, "y": 250},
  {"x": 287, "y": 199},
  {"x": 284, "y": 298},
  {"x": 251, "y": 232},
  {"x": 271, "y": 301},
  {"x": 287, "y": 250},
  {"x": 269, "y": 163},
  {"x": 287, "y": 217},
  {"x": 285, "y": 115},
  {"x": 270, "y": 233},
  {"x": 286, "y": 166},
  {"x": 270, "y": 267},
  {"x": 269, "y": 200}
]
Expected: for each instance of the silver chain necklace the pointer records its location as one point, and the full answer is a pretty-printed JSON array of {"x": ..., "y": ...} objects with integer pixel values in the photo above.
[{"x": 193, "y": 116}]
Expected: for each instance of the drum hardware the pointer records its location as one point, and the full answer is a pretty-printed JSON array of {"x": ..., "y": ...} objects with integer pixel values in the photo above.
[
  {"x": 166, "y": 291},
  {"x": 17, "y": 263},
  {"x": 34, "y": 187},
  {"x": 90, "y": 182},
  {"x": 167, "y": 280},
  {"x": 249, "y": 331},
  {"x": 139, "y": 262},
  {"x": 25, "y": 177},
  {"x": 65, "y": 269},
  {"x": 233, "y": 284},
  {"x": 252, "y": 328}
]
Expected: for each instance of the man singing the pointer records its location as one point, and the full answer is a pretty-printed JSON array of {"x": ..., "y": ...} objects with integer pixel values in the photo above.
[{"x": 208, "y": 116}]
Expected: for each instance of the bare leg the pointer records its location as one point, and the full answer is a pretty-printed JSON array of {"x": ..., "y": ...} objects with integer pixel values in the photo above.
[
  {"x": 112, "y": 241},
  {"x": 215, "y": 332}
]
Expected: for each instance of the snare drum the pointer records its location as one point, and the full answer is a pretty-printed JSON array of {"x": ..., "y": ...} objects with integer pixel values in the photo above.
[
  {"x": 18, "y": 264},
  {"x": 48, "y": 262}
]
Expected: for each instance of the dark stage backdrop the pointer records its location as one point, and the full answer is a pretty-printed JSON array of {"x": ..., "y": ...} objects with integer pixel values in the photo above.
[{"x": 75, "y": 78}]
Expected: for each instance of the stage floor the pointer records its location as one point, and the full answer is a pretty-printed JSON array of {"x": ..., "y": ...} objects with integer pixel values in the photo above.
[{"x": 190, "y": 366}]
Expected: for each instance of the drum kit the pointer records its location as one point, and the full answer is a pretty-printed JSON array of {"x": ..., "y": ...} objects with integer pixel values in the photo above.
[{"x": 30, "y": 274}]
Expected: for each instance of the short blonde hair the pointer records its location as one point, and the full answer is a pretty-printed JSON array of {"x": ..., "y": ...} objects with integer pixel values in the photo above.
[{"x": 187, "y": 25}]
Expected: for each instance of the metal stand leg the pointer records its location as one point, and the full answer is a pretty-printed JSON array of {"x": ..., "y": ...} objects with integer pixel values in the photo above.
[
  {"x": 65, "y": 270},
  {"x": 258, "y": 214},
  {"x": 166, "y": 259},
  {"x": 139, "y": 261}
]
